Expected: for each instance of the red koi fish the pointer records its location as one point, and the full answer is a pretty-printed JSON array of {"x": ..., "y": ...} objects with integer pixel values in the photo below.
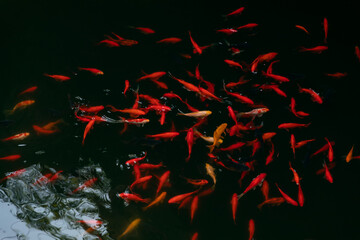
[
  {"x": 152, "y": 76},
  {"x": 357, "y": 52},
  {"x": 265, "y": 189},
  {"x": 60, "y": 78},
  {"x": 181, "y": 197},
  {"x": 11, "y": 157},
  {"x": 233, "y": 146},
  {"x": 30, "y": 89},
  {"x": 163, "y": 179},
  {"x": 292, "y": 143},
  {"x": 16, "y": 137},
  {"x": 190, "y": 141},
  {"x": 43, "y": 180},
  {"x": 268, "y": 135},
  {"x": 196, "y": 182},
  {"x": 270, "y": 156},
  {"x": 270, "y": 67},
  {"x": 276, "y": 77},
  {"x": 314, "y": 96},
  {"x": 227, "y": 31},
  {"x": 302, "y": 143},
  {"x": 55, "y": 176},
  {"x": 92, "y": 109},
  {"x": 302, "y": 28},
  {"x": 331, "y": 151},
  {"x": 235, "y": 84},
  {"x": 328, "y": 176},
  {"x": 232, "y": 63},
  {"x": 126, "y": 88},
  {"x": 13, "y": 174},
  {"x": 323, "y": 148},
  {"x": 109, "y": 43},
  {"x": 88, "y": 183},
  {"x": 165, "y": 135},
  {"x": 232, "y": 114},
  {"x": 145, "y": 30},
  {"x": 296, "y": 176},
  {"x": 195, "y": 236},
  {"x": 195, "y": 45},
  {"x": 159, "y": 108},
  {"x": 236, "y": 12},
  {"x": 262, "y": 58},
  {"x": 171, "y": 40},
  {"x": 301, "y": 198},
  {"x": 140, "y": 180},
  {"x": 151, "y": 100},
  {"x": 286, "y": 197},
  {"x": 288, "y": 126},
  {"x": 325, "y": 23},
  {"x": 272, "y": 201},
  {"x": 87, "y": 129},
  {"x": 255, "y": 182},
  {"x": 39, "y": 130},
  {"x": 234, "y": 205},
  {"x": 336, "y": 75},
  {"x": 239, "y": 97},
  {"x": 257, "y": 112},
  {"x": 148, "y": 166},
  {"x": 133, "y": 197},
  {"x": 249, "y": 25},
  {"x": 92, "y": 70},
  {"x": 172, "y": 95},
  {"x": 251, "y": 229},
  {"x": 317, "y": 49},
  {"x": 275, "y": 88},
  {"x": 134, "y": 161},
  {"x": 194, "y": 206},
  {"x": 188, "y": 86}
]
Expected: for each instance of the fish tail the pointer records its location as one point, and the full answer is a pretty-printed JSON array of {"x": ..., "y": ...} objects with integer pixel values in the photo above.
[
  {"x": 240, "y": 196},
  {"x": 8, "y": 112}
]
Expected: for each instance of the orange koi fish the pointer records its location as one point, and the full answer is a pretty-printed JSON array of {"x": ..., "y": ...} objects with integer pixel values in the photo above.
[
  {"x": 322, "y": 149},
  {"x": 197, "y": 182},
  {"x": 109, "y": 43},
  {"x": 198, "y": 114},
  {"x": 11, "y": 157},
  {"x": 152, "y": 76},
  {"x": 232, "y": 63},
  {"x": 194, "y": 206},
  {"x": 286, "y": 197},
  {"x": 88, "y": 183},
  {"x": 137, "y": 121},
  {"x": 165, "y": 135},
  {"x": 302, "y": 143},
  {"x": 19, "y": 136},
  {"x": 195, "y": 45},
  {"x": 190, "y": 141},
  {"x": 171, "y": 40},
  {"x": 235, "y": 84},
  {"x": 349, "y": 156},
  {"x": 314, "y": 96},
  {"x": 181, "y": 197},
  {"x": 30, "y": 89},
  {"x": 140, "y": 180},
  {"x": 157, "y": 201},
  {"x": 302, "y": 28},
  {"x": 39, "y": 130},
  {"x": 265, "y": 189},
  {"x": 292, "y": 143},
  {"x": 133, "y": 197},
  {"x": 251, "y": 229},
  {"x": 317, "y": 49},
  {"x": 330, "y": 151},
  {"x": 255, "y": 182},
  {"x": 21, "y": 105},
  {"x": 92, "y": 70},
  {"x": 234, "y": 205},
  {"x": 87, "y": 129},
  {"x": 134, "y": 161},
  {"x": 257, "y": 112},
  {"x": 296, "y": 176},
  {"x": 208, "y": 94},
  {"x": 164, "y": 178},
  {"x": 217, "y": 135},
  {"x": 270, "y": 156},
  {"x": 328, "y": 176},
  {"x": 149, "y": 166},
  {"x": 236, "y": 12},
  {"x": 92, "y": 109},
  {"x": 60, "y": 78},
  {"x": 336, "y": 75},
  {"x": 249, "y": 25},
  {"x": 272, "y": 201},
  {"x": 131, "y": 227},
  {"x": 188, "y": 86},
  {"x": 239, "y": 97}
]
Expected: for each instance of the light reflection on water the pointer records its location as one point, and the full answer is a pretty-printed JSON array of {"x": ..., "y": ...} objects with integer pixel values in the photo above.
[{"x": 50, "y": 210}]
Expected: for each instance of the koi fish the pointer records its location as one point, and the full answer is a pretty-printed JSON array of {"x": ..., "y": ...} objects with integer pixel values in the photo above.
[
  {"x": 188, "y": 86},
  {"x": 302, "y": 143},
  {"x": 91, "y": 109},
  {"x": 194, "y": 236},
  {"x": 133, "y": 197},
  {"x": 165, "y": 135},
  {"x": 198, "y": 114},
  {"x": 322, "y": 149},
  {"x": 196, "y": 182},
  {"x": 239, "y": 97},
  {"x": 44, "y": 179},
  {"x": 217, "y": 135},
  {"x": 137, "y": 121},
  {"x": 268, "y": 135},
  {"x": 232, "y": 114},
  {"x": 314, "y": 96},
  {"x": 11, "y": 157},
  {"x": 20, "y": 105},
  {"x": 140, "y": 179},
  {"x": 235, "y": 84},
  {"x": 292, "y": 143},
  {"x": 236, "y": 12},
  {"x": 145, "y": 30},
  {"x": 257, "y": 112},
  {"x": 164, "y": 178},
  {"x": 286, "y": 197},
  {"x": 92, "y": 70},
  {"x": 13, "y": 174},
  {"x": 190, "y": 141},
  {"x": 275, "y": 88},
  {"x": 39, "y": 130},
  {"x": 60, "y": 78},
  {"x": 349, "y": 156},
  {"x": 328, "y": 176},
  {"x": 234, "y": 204},
  {"x": 251, "y": 229},
  {"x": 336, "y": 75},
  {"x": 302, "y": 28},
  {"x": 134, "y": 161},
  {"x": 288, "y": 126},
  {"x": 270, "y": 156},
  {"x": 301, "y": 198},
  {"x": 148, "y": 166},
  {"x": 296, "y": 176},
  {"x": 265, "y": 189},
  {"x": 233, "y": 146},
  {"x": 317, "y": 49},
  {"x": 232, "y": 63},
  {"x": 227, "y": 31},
  {"x": 16, "y": 137},
  {"x": 126, "y": 88},
  {"x": 330, "y": 151},
  {"x": 249, "y": 25},
  {"x": 87, "y": 129},
  {"x": 276, "y": 77},
  {"x": 30, "y": 89},
  {"x": 194, "y": 206},
  {"x": 157, "y": 201},
  {"x": 325, "y": 23},
  {"x": 129, "y": 228},
  {"x": 152, "y": 76},
  {"x": 272, "y": 201},
  {"x": 211, "y": 172},
  {"x": 255, "y": 182},
  {"x": 87, "y": 183},
  {"x": 55, "y": 176},
  {"x": 196, "y": 47},
  {"x": 171, "y": 40},
  {"x": 181, "y": 197},
  {"x": 109, "y": 43}
]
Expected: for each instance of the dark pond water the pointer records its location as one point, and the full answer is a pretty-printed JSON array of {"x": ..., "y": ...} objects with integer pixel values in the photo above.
[{"x": 57, "y": 37}]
